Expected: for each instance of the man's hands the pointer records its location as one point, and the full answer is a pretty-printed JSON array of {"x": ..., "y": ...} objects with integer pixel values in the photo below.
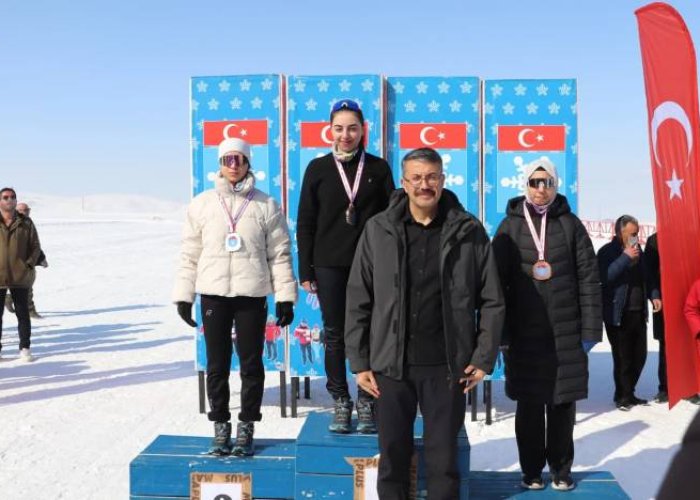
[
  {"x": 656, "y": 305},
  {"x": 184, "y": 309},
  {"x": 473, "y": 376},
  {"x": 632, "y": 253},
  {"x": 309, "y": 286},
  {"x": 367, "y": 382}
]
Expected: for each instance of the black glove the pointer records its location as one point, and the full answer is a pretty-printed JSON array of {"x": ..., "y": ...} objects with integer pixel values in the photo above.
[
  {"x": 285, "y": 313},
  {"x": 184, "y": 309}
]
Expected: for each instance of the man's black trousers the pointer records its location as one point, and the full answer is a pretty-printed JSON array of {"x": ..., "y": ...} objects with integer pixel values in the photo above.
[
  {"x": 442, "y": 404},
  {"x": 20, "y": 296},
  {"x": 629, "y": 350}
]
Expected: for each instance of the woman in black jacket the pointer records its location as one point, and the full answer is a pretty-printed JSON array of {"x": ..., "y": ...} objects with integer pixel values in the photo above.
[
  {"x": 339, "y": 193},
  {"x": 550, "y": 279}
]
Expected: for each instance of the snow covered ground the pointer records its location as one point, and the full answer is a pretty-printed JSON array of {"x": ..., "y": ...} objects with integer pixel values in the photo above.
[{"x": 115, "y": 369}]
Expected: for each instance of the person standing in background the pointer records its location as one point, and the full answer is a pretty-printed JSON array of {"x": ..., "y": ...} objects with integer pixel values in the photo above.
[
  {"x": 26, "y": 210},
  {"x": 19, "y": 254}
]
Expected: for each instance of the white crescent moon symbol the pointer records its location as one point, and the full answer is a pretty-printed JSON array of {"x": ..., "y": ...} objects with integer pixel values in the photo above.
[
  {"x": 521, "y": 138},
  {"x": 423, "y": 133},
  {"x": 670, "y": 110},
  {"x": 226, "y": 128},
  {"x": 324, "y": 135}
]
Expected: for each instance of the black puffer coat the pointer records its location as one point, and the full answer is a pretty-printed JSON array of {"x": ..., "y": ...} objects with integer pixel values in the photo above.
[{"x": 546, "y": 321}]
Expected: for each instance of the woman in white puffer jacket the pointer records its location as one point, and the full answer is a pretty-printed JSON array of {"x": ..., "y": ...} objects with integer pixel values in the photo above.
[{"x": 235, "y": 251}]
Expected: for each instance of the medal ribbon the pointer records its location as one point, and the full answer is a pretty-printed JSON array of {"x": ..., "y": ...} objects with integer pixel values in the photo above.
[
  {"x": 356, "y": 185},
  {"x": 232, "y": 221},
  {"x": 539, "y": 242}
]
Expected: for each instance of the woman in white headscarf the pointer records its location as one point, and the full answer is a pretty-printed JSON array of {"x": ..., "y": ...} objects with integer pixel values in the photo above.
[{"x": 550, "y": 278}]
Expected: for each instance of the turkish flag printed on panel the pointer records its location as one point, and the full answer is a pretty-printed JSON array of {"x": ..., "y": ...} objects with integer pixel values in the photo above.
[
  {"x": 254, "y": 132},
  {"x": 318, "y": 135},
  {"x": 531, "y": 138},
  {"x": 433, "y": 135},
  {"x": 670, "y": 77}
]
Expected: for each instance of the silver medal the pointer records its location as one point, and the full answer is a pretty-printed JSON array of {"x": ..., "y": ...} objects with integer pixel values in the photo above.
[{"x": 233, "y": 242}]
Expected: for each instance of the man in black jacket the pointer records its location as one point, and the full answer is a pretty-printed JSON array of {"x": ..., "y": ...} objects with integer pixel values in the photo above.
[
  {"x": 623, "y": 273},
  {"x": 422, "y": 274}
]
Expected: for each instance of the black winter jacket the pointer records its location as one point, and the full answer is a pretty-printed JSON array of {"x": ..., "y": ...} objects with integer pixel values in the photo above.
[
  {"x": 472, "y": 301},
  {"x": 546, "y": 321},
  {"x": 615, "y": 275},
  {"x": 323, "y": 237}
]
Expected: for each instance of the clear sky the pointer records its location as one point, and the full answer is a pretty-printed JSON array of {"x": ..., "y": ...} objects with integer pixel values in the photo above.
[{"x": 95, "y": 94}]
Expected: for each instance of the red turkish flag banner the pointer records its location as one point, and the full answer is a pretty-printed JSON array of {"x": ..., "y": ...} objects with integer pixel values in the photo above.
[
  {"x": 531, "y": 138},
  {"x": 670, "y": 78},
  {"x": 433, "y": 135},
  {"x": 316, "y": 135},
  {"x": 254, "y": 132}
]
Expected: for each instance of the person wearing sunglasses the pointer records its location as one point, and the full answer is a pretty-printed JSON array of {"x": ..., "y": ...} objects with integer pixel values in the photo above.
[
  {"x": 19, "y": 254},
  {"x": 424, "y": 319},
  {"x": 236, "y": 250},
  {"x": 550, "y": 278},
  {"x": 340, "y": 192},
  {"x": 24, "y": 209}
]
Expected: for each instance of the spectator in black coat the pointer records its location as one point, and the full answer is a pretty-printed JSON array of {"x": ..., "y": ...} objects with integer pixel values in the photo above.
[
  {"x": 550, "y": 279},
  {"x": 626, "y": 288}
]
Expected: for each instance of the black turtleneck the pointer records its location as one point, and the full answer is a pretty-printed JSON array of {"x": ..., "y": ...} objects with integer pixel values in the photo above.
[{"x": 323, "y": 237}]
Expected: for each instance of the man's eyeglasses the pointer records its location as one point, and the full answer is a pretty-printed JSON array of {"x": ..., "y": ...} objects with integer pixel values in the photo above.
[
  {"x": 537, "y": 183},
  {"x": 9, "y": 197},
  {"x": 233, "y": 160},
  {"x": 417, "y": 180}
]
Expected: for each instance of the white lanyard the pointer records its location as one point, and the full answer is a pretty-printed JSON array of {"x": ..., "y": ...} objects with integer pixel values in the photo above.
[
  {"x": 232, "y": 221},
  {"x": 356, "y": 185},
  {"x": 539, "y": 242}
]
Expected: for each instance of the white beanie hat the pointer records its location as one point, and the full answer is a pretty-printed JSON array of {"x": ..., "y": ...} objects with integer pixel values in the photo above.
[
  {"x": 545, "y": 164},
  {"x": 234, "y": 144}
]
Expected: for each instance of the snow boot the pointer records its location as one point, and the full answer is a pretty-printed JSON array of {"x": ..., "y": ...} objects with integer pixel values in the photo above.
[
  {"x": 244, "y": 439},
  {"x": 221, "y": 444},
  {"x": 365, "y": 417},
  {"x": 342, "y": 412}
]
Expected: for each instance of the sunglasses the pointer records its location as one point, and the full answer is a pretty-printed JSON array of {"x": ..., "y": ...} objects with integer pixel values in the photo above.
[
  {"x": 233, "y": 160},
  {"x": 9, "y": 197},
  {"x": 537, "y": 183}
]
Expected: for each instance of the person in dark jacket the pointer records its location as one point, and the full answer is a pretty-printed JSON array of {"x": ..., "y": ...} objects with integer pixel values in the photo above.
[
  {"x": 19, "y": 254},
  {"x": 339, "y": 193},
  {"x": 26, "y": 210},
  {"x": 653, "y": 265},
  {"x": 550, "y": 279},
  {"x": 651, "y": 254},
  {"x": 623, "y": 271},
  {"x": 680, "y": 481},
  {"x": 422, "y": 275}
]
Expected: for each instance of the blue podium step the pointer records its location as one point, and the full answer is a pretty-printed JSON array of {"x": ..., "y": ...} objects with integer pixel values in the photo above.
[
  {"x": 593, "y": 485},
  {"x": 323, "y": 469},
  {"x": 163, "y": 469},
  {"x": 318, "y": 465}
]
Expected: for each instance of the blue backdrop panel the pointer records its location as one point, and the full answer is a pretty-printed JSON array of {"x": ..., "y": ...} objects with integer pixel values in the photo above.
[
  {"x": 309, "y": 101},
  {"x": 527, "y": 104},
  {"x": 249, "y": 107},
  {"x": 441, "y": 113}
]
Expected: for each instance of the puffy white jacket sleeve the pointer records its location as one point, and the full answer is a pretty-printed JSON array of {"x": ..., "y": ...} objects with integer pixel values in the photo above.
[
  {"x": 279, "y": 255},
  {"x": 186, "y": 278}
]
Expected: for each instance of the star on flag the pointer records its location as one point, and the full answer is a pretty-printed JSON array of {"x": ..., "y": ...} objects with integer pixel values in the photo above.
[{"x": 674, "y": 184}]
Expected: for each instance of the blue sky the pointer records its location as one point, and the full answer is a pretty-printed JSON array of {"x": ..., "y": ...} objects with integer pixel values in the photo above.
[{"x": 96, "y": 99}]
